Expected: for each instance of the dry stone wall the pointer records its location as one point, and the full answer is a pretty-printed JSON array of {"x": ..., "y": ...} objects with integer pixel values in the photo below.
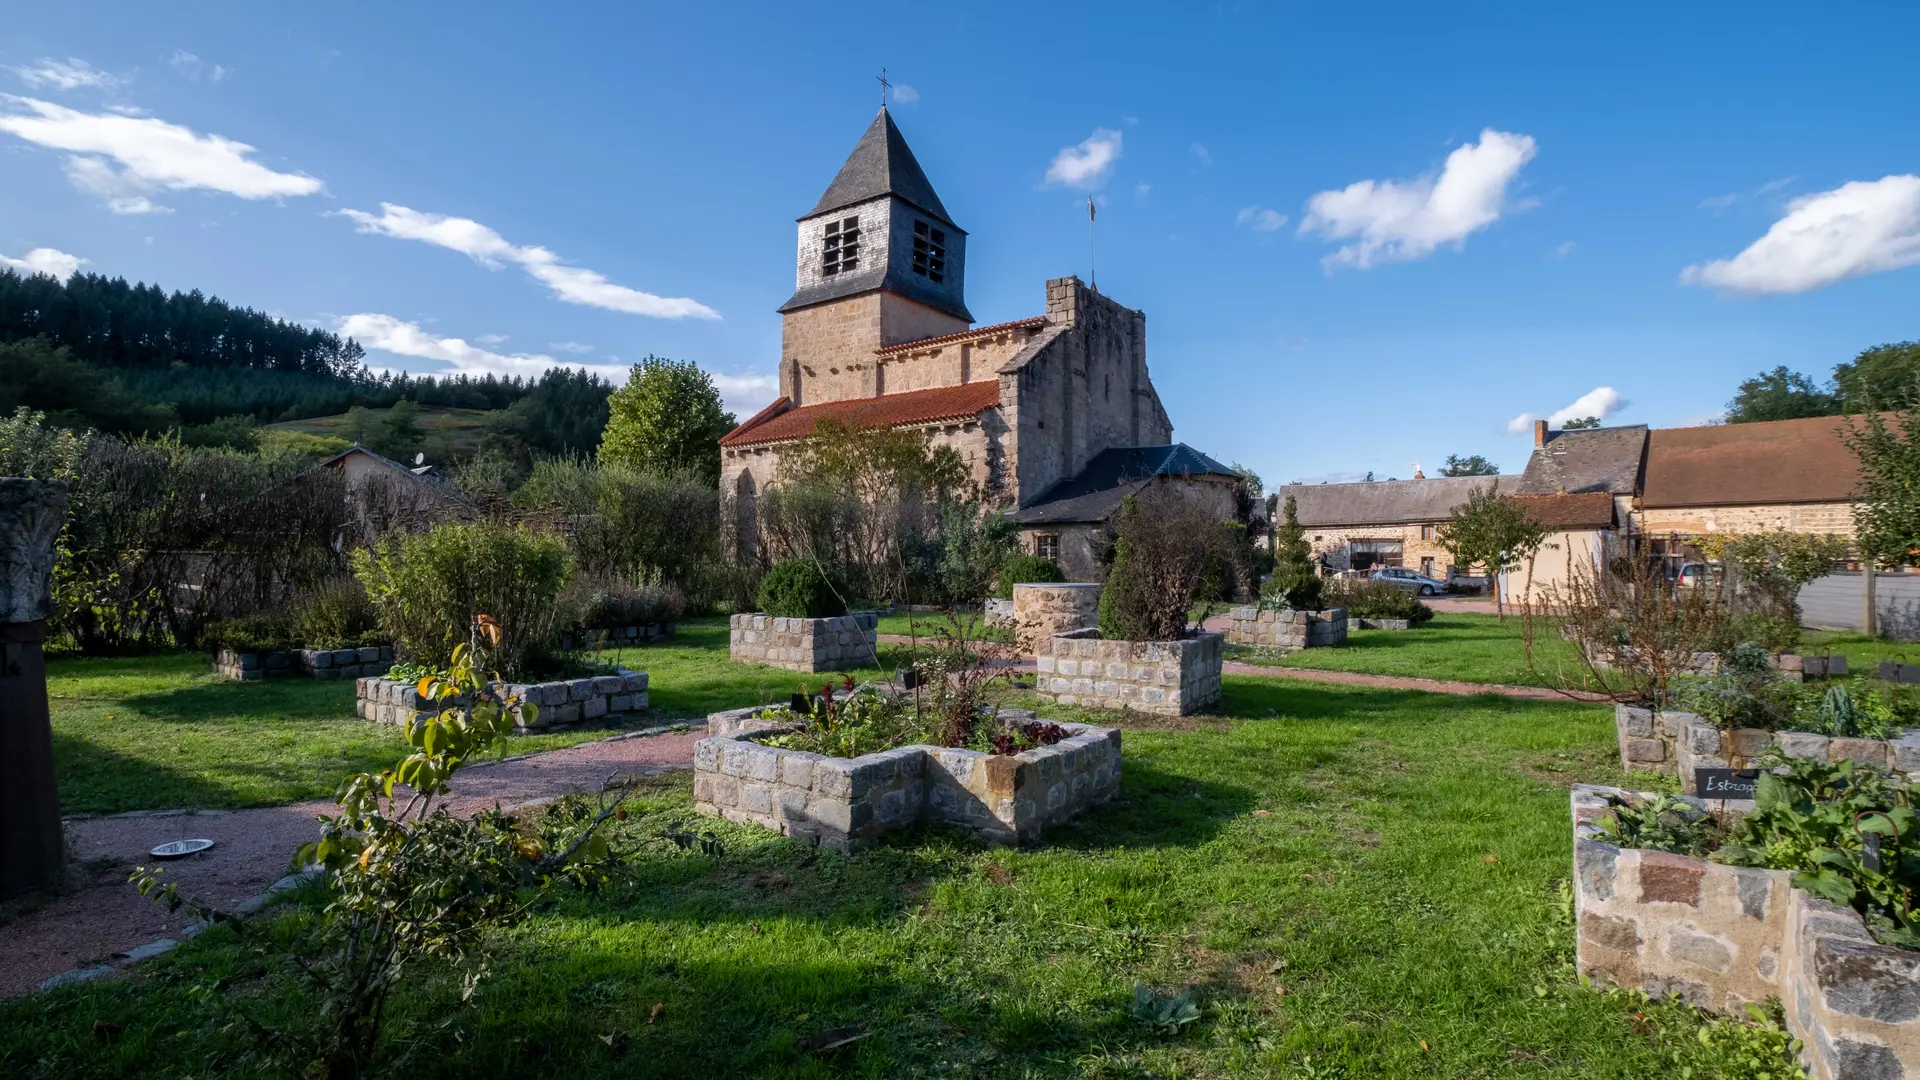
[
  {"x": 841, "y": 643},
  {"x": 1168, "y": 678},
  {"x": 314, "y": 663},
  {"x": 848, "y": 803},
  {"x": 1703, "y": 746},
  {"x": 566, "y": 701},
  {"x": 1287, "y": 629},
  {"x": 1721, "y": 937},
  {"x": 1040, "y": 611}
]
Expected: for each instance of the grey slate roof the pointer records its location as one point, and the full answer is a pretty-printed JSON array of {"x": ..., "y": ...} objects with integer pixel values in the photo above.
[
  {"x": 1098, "y": 490},
  {"x": 1593, "y": 460},
  {"x": 894, "y": 279},
  {"x": 880, "y": 165},
  {"x": 1386, "y": 502}
]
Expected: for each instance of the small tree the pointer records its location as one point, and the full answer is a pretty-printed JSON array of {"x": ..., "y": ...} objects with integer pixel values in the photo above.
[
  {"x": 1886, "y": 513},
  {"x": 1493, "y": 531},
  {"x": 1472, "y": 465},
  {"x": 1295, "y": 582},
  {"x": 668, "y": 418},
  {"x": 1633, "y": 630},
  {"x": 1768, "y": 570},
  {"x": 1160, "y": 567}
]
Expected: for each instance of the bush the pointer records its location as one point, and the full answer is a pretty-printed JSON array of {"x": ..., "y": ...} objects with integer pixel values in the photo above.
[
  {"x": 1368, "y": 599},
  {"x": 1296, "y": 582},
  {"x": 429, "y": 587},
  {"x": 797, "y": 589},
  {"x": 251, "y": 634},
  {"x": 338, "y": 615},
  {"x": 1160, "y": 566},
  {"x": 1777, "y": 633},
  {"x": 1027, "y": 570},
  {"x": 612, "y": 603}
]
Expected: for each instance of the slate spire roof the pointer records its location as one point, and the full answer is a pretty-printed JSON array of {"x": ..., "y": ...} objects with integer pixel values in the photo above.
[{"x": 881, "y": 164}]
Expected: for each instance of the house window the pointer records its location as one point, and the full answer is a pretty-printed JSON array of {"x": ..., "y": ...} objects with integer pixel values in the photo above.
[
  {"x": 1426, "y": 566},
  {"x": 840, "y": 250},
  {"x": 1426, "y": 532},
  {"x": 1368, "y": 554},
  {"x": 929, "y": 251},
  {"x": 1047, "y": 546}
]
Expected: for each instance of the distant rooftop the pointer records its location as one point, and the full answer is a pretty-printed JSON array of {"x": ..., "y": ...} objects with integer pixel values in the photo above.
[{"x": 1097, "y": 490}]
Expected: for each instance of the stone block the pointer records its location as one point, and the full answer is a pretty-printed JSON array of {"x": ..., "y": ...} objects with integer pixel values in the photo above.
[
  {"x": 367, "y": 654},
  {"x": 593, "y": 708},
  {"x": 320, "y": 660},
  {"x": 562, "y": 714},
  {"x": 579, "y": 689},
  {"x": 609, "y": 684},
  {"x": 1645, "y": 751},
  {"x": 1803, "y": 744},
  {"x": 1703, "y": 740},
  {"x": 1864, "y": 751},
  {"x": 1670, "y": 878}
]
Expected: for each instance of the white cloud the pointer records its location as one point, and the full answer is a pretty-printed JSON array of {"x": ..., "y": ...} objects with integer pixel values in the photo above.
[
  {"x": 1402, "y": 220},
  {"x": 1200, "y": 151},
  {"x": 388, "y": 334},
  {"x": 745, "y": 395},
  {"x": 569, "y": 346},
  {"x": 44, "y": 261},
  {"x": 69, "y": 74},
  {"x": 1717, "y": 203},
  {"x": 571, "y": 284},
  {"x": 903, "y": 94},
  {"x": 1862, "y": 227},
  {"x": 1601, "y": 401},
  {"x": 1259, "y": 219},
  {"x": 489, "y": 339},
  {"x": 151, "y": 154},
  {"x": 1561, "y": 250},
  {"x": 1086, "y": 166},
  {"x": 1772, "y": 186},
  {"x": 195, "y": 68},
  {"x": 1142, "y": 189}
]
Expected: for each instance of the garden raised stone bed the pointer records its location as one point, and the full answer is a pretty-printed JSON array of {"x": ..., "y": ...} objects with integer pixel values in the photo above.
[
  {"x": 1169, "y": 678},
  {"x": 999, "y": 614},
  {"x": 1683, "y": 742},
  {"x": 313, "y": 663},
  {"x": 1723, "y": 936},
  {"x": 1044, "y": 609},
  {"x": 1262, "y": 628},
  {"x": 840, "y": 643},
  {"x": 616, "y": 636},
  {"x": 848, "y": 803},
  {"x": 565, "y": 701}
]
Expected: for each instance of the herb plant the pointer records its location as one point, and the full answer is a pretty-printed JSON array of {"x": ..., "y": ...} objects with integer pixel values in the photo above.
[{"x": 1662, "y": 823}]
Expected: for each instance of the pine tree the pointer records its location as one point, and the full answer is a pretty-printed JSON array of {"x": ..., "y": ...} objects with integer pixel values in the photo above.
[{"x": 1295, "y": 582}]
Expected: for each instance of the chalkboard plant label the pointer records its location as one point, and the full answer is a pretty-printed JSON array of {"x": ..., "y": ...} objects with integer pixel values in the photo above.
[{"x": 1725, "y": 783}]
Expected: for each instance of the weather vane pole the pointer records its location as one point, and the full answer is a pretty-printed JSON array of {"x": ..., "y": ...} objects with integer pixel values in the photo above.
[
  {"x": 884, "y": 87},
  {"x": 1093, "y": 278}
]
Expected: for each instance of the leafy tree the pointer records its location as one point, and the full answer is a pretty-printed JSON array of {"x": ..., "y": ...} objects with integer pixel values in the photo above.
[
  {"x": 1255, "y": 488},
  {"x": 1493, "y": 531},
  {"x": 668, "y": 418},
  {"x": 29, "y": 446},
  {"x": 1780, "y": 395},
  {"x": 1581, "y": 423},
  {"x": 1886, "y": 512},
  {"x": 1883, "y": 377},
  {"x": 1769, "y": 569},
  {"x": 400, "y": 429},
  {"x": 1295, "y": 582},
  {"x": 1162, "y": 561},
  {"x": 1472, "y": 465}
]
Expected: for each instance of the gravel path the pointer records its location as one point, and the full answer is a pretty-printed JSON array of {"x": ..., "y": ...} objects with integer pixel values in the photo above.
[{"x": 101, "y": 917}]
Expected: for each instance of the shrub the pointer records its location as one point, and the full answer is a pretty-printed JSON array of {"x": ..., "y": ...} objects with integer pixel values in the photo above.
[
  {"x": 338, "y": 615},
  {"x": 798, "y": 589},
  {"x": 1027, "y": 570},
  {"x": 429, "y": 587},
  {"x": 611, "y": 603},
  {"x": 1368, "y": 599},
  {"x": 1296, "y": 582},
  {"x": 252, "y": 633},
  {"x": 1161, "y": 561},
  {"x": 1777, "y": 633}
]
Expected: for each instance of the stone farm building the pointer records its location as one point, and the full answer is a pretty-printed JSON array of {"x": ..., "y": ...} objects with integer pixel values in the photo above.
[
  {"x": 878, "y": 332},
  {"x": 1364, "y": 526}
]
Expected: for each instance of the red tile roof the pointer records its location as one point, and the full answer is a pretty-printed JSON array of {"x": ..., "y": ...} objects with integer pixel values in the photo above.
[
  {"x": 1776, "y": 461},
  {"x": 780, "y": 421},
  {"x": 946, "y": 339},
  {"x": 1584, "y": 510}
]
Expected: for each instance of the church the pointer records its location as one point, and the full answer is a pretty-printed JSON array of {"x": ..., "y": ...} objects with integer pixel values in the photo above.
[{"x": 1056, "y": 415}]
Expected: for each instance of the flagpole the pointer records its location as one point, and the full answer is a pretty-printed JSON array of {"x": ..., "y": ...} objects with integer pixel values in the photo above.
[{"x": 1093, "y": 277}]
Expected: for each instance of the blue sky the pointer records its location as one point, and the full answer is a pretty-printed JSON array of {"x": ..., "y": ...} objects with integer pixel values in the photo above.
[{"x": 1364, "y": 237}]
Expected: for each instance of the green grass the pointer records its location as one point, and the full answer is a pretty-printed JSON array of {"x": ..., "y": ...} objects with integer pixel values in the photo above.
[
  {"x": 1863, "y": 653},
  {"x": 459, "y": 429},
  {"x": 1360, "y": 883},
  {"x": 930, "y": 624},
  {"x": 1462, "y": 647},
  {"x": 160, "y": 732}
]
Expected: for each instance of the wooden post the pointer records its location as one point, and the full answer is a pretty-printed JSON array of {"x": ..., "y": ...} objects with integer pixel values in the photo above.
[
  {"x": 32, "y": 847},
  {"x": 1869, "y": 610}
]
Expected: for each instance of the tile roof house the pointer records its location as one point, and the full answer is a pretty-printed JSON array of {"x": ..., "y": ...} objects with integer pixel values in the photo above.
[
  {"x": 1779, "y": 474},
  {"x": 877, "y": 331},
  {"x": 1070, "y": 522},
  {"x": 1385, "y": 523}
]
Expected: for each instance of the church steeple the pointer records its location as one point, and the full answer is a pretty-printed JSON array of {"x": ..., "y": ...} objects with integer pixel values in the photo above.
[{"x": 880, "y": 227}]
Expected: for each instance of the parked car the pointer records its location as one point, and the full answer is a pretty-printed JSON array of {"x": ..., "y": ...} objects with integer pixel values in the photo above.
[
  {"x": 1694, "y": 575},
  {"x": 1409, "y": 580}
]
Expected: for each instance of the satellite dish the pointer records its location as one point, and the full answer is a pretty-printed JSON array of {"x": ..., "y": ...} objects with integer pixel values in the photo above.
[{"x": 420, "y": 458}]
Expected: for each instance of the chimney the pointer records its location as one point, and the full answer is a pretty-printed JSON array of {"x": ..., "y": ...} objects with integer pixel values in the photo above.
[{"x": 1539, "y": 433}]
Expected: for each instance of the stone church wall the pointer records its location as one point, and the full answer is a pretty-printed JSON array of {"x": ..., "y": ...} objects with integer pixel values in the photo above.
[{"x": 827, "y": 350}]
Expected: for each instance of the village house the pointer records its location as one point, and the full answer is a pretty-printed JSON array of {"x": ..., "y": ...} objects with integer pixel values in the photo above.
[
  {"x": 1581, "y": 485},
  {"x": 877, "y": 332},
  {"x": 1367, "y": 525}
]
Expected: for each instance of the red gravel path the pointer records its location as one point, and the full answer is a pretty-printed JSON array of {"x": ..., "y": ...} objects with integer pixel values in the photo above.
[{"x": 102, "y": 915}]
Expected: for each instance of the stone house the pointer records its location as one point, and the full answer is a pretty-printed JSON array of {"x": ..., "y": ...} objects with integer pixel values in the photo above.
[
  {"x": 384, "y": 494},
  {"x": 1073, "y": 523},
  {"x": 1780, "y": 474},
  {"x": 877, "y": 331},
  {"x": 1364, "y": 526}
]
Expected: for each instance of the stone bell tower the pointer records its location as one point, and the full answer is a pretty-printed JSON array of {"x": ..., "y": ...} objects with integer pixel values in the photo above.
[{"x": 880, "y": 263}]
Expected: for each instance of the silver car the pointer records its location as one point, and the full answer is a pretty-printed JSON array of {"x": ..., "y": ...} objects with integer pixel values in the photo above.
[{"x": 1408, "y": 580}]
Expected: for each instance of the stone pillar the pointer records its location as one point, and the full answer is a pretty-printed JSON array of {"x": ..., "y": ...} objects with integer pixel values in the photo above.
[
  {"x": 32, "y": 851},
  {"x": 1041, "y": 611}
]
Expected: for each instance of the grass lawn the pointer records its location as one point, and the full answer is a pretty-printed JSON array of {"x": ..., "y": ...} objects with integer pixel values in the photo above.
[
  {"x": 1360, "y": 883},
  {"x": 160, "y": 732},
  {"x": 933, "y": 623},
  {"x": 1863, "y": 653},
  {"x": 1464, "y": 647}
]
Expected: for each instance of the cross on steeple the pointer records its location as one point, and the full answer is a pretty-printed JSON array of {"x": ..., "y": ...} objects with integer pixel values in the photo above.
[{"x": 884, "y": 87}]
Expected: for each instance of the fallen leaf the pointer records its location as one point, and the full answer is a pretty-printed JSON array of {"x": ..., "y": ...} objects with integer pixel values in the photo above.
[
  {"x": 617, "y": 1042},
  {"x": 1490, "y": 858},
  {"x": 1423, "y": 1044},
  {"x": 999, "y": 875},
  {"x": 659, "y": 1009},
  {"x": 1263, "y": 813},
  {"x": 755, "y": 927}
]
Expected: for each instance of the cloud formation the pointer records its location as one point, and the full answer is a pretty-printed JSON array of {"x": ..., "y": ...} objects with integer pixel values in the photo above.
[
  {"x": 1403, "y": 220},
  {"x": 1862, "y": 227},
  {"x": 1601, "y": 401},
  {"x": 126, "y": 158},
  {"x": 195, "y": 68},
  {"x": 69, "y": 74},
  {"x": 570, "y": 346},
  {"x": 1259, "y": 219},
  {"x": 1087, "y": 165},
  {"x": 44, "y": 261},
  {"x": 903, "y": 94},
  {"x": 572, "y": 284},
  {"x": 388, "y": 334}
]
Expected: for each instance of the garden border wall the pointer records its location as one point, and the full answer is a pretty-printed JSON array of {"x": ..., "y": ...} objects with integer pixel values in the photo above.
[
  {"x": 612, "y": 637},
  {"x": 1169, "y": 678},
  {"x": 849, "y": 803},
  {"x": 313, "y": 663},
  {"x": 840, "y": 643},
  {"x": 564, "y": 701},
  {"x": 1266, "y": 628},
  {"x": 1722, "y": 936}
]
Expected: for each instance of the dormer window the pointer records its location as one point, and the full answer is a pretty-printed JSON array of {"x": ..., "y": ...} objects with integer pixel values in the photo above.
[
  {"x": 929, "y": 251},
  {"x": 840, "y": 251}
]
